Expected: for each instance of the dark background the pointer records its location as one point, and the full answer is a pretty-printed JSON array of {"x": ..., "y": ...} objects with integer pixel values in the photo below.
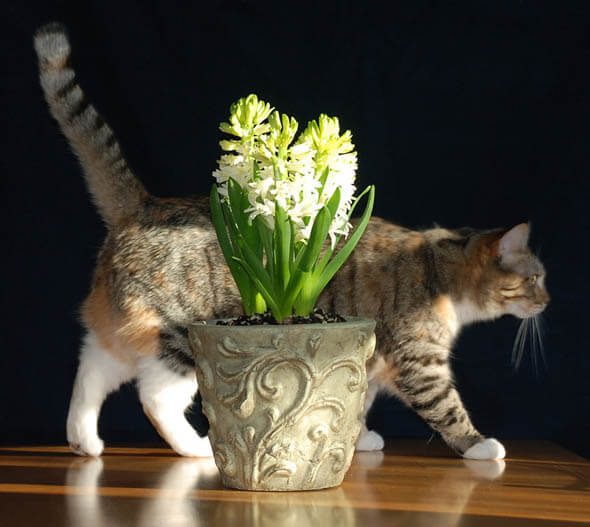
[{"x": 463, "y": 113}]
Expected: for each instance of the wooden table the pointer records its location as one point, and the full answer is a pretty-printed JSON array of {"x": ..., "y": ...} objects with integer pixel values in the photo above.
[{"x": 411, "y": 484}]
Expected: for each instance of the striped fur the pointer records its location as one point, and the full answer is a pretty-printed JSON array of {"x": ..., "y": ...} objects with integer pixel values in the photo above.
[
  {"x": 116, "y": 192},
  {"x": 160, "y": 268}
]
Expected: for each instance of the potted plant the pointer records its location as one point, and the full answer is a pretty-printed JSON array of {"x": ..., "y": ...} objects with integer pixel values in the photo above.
[{"x": 283, "y": 399}]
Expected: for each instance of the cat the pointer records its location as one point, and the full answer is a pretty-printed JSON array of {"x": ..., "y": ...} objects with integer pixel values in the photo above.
[
  {"x": 160, "y": 269},
  {"x": 422, "y": 288}
]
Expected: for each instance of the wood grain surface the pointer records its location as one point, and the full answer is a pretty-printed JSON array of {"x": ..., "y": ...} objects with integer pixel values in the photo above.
[{"x": 412, "y": 483}]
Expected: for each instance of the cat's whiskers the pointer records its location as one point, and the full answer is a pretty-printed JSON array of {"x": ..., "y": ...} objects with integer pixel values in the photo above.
[
  {"x": 519, "y": 343},
  {"x": 538, "y": 348},
  {"x": 531, "y": 330}
]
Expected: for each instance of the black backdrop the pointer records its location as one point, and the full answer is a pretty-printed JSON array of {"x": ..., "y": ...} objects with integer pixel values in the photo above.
[{"x": 471, "y": 113}]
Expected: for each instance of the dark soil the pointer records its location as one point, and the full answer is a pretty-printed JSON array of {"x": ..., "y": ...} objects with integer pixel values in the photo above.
[{"x": 318, "y": 316}]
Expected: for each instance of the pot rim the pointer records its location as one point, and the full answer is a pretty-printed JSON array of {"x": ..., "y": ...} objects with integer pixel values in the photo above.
[{"x": 322, "y": 326}]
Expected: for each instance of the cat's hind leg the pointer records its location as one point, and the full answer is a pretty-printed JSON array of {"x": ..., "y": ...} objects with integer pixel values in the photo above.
[
  {"x": 369, "y": 440},
  {"x": 166, "y": 392},
  {"x": 99, "y": 373}
]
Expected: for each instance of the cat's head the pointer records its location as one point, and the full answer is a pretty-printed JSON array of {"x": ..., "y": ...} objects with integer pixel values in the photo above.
[{"x": 510, "y": 278}]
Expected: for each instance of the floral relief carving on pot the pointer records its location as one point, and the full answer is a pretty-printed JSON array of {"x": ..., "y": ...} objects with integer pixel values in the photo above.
[{"x": 282, "y": 411}]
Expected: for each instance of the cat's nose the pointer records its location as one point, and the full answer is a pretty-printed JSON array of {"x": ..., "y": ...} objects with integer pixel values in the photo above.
[{"x": 541, "y": 302}]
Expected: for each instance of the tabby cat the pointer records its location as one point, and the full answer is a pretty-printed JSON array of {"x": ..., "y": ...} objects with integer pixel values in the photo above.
[{"x": 160, "y": 269}]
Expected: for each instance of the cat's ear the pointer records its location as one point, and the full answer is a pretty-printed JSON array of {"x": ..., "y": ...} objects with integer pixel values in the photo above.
[{"x": 514, "y": 241}]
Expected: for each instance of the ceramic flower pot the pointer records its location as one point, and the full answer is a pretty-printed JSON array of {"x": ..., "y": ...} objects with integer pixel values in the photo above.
[{"x": 283, "y": 402}]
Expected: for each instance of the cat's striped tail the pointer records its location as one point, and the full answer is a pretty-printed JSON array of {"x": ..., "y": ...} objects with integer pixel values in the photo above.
[{"x": 115, "y": 190}]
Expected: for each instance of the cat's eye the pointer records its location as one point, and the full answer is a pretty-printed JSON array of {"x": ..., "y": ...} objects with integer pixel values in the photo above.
[{"x": 533, "y": 279}]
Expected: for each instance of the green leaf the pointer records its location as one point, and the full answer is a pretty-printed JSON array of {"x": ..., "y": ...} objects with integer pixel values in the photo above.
[
  {"x": 267, "y": 243},
  {"x": 219, "y": 224},
  {"x": 266, "y": 294},
  {"x": 329, "y": 251},
  {"x": 370, "y": 188},
  {"x": 331, "y": 269},
  {"x": 250, "y": 257},
  {"x": 332, "y": 206},
  {"x": 259, "y": 304},
  {"x": 239, "y": 202},
  {"x": 234, "y": 191},
  {"x": 333, "y": 203},
  {"x": 303, "y": 270},
  {"x": 316, "y": 240},
  {"x": 319, "y": 232},
  {"x": 304, "y": 302},
  {"x": 282, "y": 235},
  {"x": 232, "y": 229},
  {"x": 240, "y": 277},
  {"x": 250, "y": 230},
  {"x": 237, "y": 241},
  {"x": 292, "y": 291},
  {"x": 300, "y": 251}
]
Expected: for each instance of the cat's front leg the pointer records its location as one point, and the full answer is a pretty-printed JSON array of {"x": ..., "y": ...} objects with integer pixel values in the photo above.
[{"x": 424, "y": 382}]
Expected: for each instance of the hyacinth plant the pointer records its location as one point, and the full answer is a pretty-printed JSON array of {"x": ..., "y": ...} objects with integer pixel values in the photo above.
[{"x": 277, "y": 201}]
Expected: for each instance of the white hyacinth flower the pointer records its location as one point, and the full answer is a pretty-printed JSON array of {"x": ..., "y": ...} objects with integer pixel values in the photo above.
[{"x": 290, "y": 175}]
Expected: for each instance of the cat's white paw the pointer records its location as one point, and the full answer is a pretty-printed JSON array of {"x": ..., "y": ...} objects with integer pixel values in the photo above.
[
  {"x": 487, "y": 449},
  {"x": 86, "y": 446},
  {"x": 369, "y": 440},
  {"x": 82, "y": 435},
  {"x": 194, "y": 447}
]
